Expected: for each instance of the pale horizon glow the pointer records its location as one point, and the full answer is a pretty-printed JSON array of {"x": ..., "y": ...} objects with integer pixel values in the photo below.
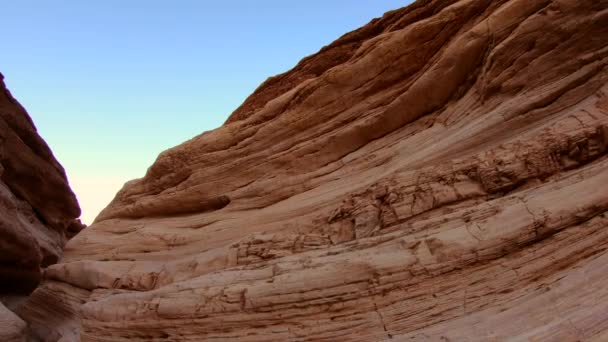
[
  {"x": 111, "y": 84},
  {"x": 96, "y": 192}
]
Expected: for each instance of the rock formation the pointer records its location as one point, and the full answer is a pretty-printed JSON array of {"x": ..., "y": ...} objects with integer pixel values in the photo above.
[
  {"x": 38, "y": 211},
  {"x": 13, "y": 327},
  {"x": 439, "y": 174}
]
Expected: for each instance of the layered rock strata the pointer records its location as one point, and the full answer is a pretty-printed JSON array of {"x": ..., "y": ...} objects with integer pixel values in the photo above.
[
  {"x": 38, "y": 210},
  {"x": 439, "y": 174}
]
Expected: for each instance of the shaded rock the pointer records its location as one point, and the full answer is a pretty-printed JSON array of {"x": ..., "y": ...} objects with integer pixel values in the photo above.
[{"x": 38, "y": 210}]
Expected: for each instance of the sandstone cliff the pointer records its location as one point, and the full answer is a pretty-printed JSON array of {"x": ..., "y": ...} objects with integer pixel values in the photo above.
[
  {"x": 439, "y": 174},
  {"x": 38, "y": 211}
]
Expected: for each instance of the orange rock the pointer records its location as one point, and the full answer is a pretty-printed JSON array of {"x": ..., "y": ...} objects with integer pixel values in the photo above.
[{"x": 437, "y": 174}]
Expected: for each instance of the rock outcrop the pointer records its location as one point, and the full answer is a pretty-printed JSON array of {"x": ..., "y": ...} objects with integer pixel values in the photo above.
[
  {"x": 38, "y": 210},
  {"x": 439, "y": 174}
]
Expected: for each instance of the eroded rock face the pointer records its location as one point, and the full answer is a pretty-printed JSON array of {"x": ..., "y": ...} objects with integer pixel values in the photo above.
[
  {"x": 440, "y": 173},
  {"x": 38, "y": 210}
]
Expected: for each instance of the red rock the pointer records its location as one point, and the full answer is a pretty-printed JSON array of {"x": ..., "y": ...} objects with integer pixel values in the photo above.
[
  {"x": 439, "y": 174},
  {"x": 37, "y": 205}
]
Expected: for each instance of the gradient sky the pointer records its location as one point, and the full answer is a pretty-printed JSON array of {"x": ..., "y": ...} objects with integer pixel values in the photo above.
[{"x": 112, "y": 83}]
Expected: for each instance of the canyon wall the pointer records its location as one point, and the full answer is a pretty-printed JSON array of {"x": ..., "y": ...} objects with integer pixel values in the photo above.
[
  {"x": 38, "y": 210},
  {"x": 438, "y": 174}
]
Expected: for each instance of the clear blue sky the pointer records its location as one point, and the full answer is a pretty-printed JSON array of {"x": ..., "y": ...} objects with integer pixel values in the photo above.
[{"x": 112, "y": 83}]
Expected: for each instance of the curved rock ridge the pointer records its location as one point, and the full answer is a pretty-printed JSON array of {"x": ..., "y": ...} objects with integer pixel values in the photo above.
[
  {"x": 439, "y": 174},
  {"x": 38, "y": 210}
]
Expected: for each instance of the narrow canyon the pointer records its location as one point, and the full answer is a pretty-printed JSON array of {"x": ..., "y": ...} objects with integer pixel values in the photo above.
[{"x": 439, "y": 174}]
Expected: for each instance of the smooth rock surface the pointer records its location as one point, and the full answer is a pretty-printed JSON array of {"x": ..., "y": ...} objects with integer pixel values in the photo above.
[
  {"x": 38, "y": 210},
  {"x": 437, "y": 175}
]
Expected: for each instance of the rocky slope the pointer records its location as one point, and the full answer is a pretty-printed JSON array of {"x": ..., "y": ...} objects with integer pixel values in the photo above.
[
  {"x": 439, "y": 174},
  {"x": 38, "y": 210}
]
